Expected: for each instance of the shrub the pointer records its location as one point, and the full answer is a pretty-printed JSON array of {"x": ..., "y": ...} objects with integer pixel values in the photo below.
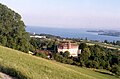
[
  {"x": 41, "y": 55},
  {"x": 116, "y": 70},
  {"x": 69, "y": 61}
]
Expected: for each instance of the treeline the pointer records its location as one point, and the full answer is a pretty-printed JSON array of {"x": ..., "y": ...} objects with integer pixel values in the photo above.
[
  {"x": 12, "y": 30},
  {"x": 114, "y": 42},
  {"x": 43, "y": 44},
  {"x": 51, "y": 36}
]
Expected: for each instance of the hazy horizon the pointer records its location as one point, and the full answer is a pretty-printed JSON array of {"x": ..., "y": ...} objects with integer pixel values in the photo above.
[
  {"x": 101, "y": 14},
  {"x": 70, "y": 28}
]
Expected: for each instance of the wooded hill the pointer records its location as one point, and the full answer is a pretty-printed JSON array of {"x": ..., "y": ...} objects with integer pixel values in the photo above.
[{"x": 12, "y": 30}]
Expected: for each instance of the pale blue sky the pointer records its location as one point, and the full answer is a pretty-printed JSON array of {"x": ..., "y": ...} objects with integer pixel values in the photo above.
[{"x": 68, "y": 13}]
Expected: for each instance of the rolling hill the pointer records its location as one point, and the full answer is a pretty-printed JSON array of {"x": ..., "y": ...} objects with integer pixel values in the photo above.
[{"x": 32, "y": 67}]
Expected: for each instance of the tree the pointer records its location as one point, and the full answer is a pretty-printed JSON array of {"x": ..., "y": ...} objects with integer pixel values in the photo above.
[
  {"x": 84, "y": 56},
  {"x": 66, "y": 54},
  {"x": 106, "y": 41},
  {"x": 12, "y": 30},
  {"x": 82, "y": 46},
  {"x": 118, "y": 43}
]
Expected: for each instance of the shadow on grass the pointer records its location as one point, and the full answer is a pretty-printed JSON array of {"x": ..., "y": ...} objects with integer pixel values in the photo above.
[
  {"x": 12, "y": 72},
  {"x": 108, "y": 74},
  {"x": 104, "y": 73}
]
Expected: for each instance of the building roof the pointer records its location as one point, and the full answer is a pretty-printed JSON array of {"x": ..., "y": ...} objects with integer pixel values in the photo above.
[{"x": 67, "y": 45}]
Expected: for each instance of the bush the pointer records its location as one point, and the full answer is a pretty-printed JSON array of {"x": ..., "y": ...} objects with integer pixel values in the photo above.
[
  {"x": 92, "y": 64},
  {"x": 66, "y": 54},
  {"x": 59, "y": 57},
  {"x": 95, "y": 64},
  {"x": 116, "y": 70},
  {"x": 69, "y": 61},
  {"x": 89, "y": 64},
  {"x": 41, "y": 55}
]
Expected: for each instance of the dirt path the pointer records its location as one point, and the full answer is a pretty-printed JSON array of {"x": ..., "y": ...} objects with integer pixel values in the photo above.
[{"x": 4, "y": 76}]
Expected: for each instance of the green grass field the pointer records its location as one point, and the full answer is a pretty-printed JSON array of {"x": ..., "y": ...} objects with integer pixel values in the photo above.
[{"x": 39, "y": 68}]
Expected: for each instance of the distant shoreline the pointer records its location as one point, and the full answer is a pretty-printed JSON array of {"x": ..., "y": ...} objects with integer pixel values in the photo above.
[
  {"x": 72, "y": 33},
  {"x": 106, "y": 32}
]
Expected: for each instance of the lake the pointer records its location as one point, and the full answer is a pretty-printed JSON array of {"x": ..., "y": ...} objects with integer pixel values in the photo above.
[{"x": 71, "y": 33}]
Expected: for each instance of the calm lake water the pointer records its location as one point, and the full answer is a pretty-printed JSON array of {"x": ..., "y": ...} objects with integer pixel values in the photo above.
[{"x": 71, "y": 33}]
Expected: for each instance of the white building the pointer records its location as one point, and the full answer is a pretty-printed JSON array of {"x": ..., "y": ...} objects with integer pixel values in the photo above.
[
  {"x": 36, "y": 36},
  {"x": 73, "y": 48}
]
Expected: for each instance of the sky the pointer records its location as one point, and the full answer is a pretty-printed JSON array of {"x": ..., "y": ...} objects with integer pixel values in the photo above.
[{"x": 103, "y": 14}]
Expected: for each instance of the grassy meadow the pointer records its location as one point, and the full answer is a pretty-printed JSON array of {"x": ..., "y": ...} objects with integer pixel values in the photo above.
[{"x": 38, "y": 68}]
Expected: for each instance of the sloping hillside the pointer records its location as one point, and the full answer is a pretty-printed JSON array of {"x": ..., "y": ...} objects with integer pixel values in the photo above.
[{"x": 38, "y": 68}]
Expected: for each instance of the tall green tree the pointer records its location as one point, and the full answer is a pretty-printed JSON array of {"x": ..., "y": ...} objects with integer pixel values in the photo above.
[
  {"x": 84, "y": 56},
  {"x": 12, "y": 30}
]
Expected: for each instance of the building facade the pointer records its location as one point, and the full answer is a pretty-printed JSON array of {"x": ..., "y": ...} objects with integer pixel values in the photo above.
[{"x": 73, "y": 48}]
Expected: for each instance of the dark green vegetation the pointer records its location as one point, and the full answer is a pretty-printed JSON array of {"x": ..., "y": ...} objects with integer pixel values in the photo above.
[
  {"x": 12, "y": 30},
  {"x": 43, "y": 44},
  {"x": 114, "y": 43},
  {"x": 100, "y": 57},
  {"x": 50, "y": 36},
  {"x": 63, "y": 57},
  {"x": 22, "y": 66}
]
